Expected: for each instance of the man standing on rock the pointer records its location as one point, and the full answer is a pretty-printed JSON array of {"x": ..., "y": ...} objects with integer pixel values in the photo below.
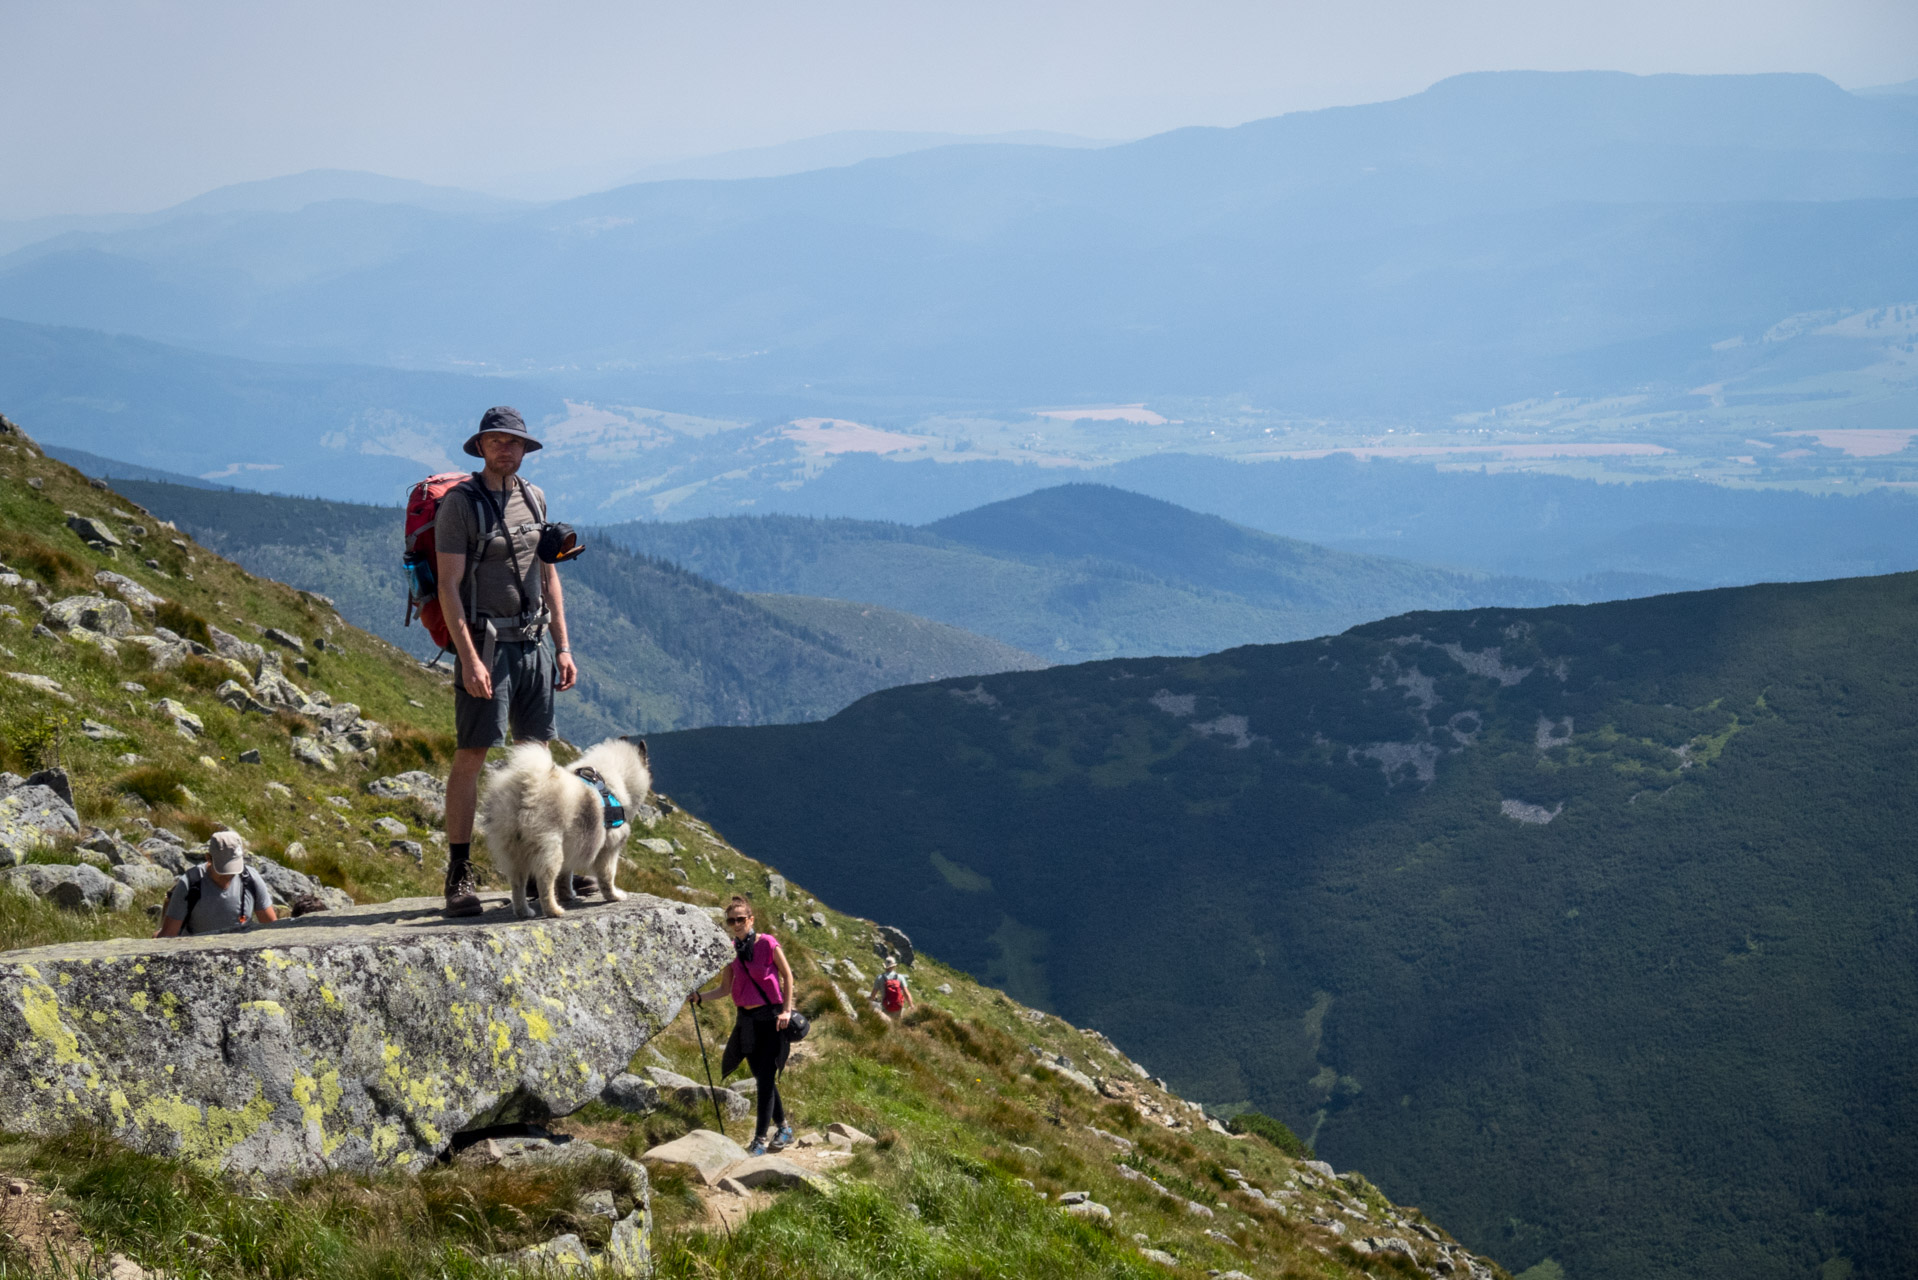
[{"x": 499, "y": 600}]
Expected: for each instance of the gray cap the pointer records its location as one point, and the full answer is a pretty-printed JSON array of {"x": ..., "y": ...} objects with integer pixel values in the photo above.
[
  {"x": 503, "y": 418},
  {"x": 225, "y": 853}
]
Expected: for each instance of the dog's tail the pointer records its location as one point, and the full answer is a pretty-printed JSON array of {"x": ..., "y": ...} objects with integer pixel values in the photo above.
[{"x": 510, "y": 806}]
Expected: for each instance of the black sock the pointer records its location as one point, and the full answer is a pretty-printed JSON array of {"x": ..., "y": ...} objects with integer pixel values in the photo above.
[{"x": 458, "y": 853}]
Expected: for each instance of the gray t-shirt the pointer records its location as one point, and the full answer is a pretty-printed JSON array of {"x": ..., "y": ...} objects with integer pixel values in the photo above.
[
  {"x": 218, "y": 910},
  {"x": 505, "y": 581}
]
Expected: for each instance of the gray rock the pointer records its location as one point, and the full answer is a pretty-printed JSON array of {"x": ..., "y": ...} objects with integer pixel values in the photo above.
[
  {"x": 773, "y": 1171},
  {"x": 185, "y": 723},
  {"x": 142, "y": 876},
  {"x": 1198, "y": 1210},
  {"x": 91, "y": 531},
  {"x": 345, "y": 1040},
  {"x": 231, "y": 646},
  {"x": 413, "y": 785},
  {"x": 285, "y": 639},
  {"x": 408, "y": 849},
  {"x": 1159, "y": 1256},
  {"x": 897, "y": 942},
  {"x": 695, "y": 1096},
  {"x": 250, "y": 756},
  {"x": 309, "y": 752},
  {"x": 98, "y": 614},
  {"x": 703, "y": 1153},
  {"x": 240, "y": 698},
  {"x": 77, "y": 888},
  {"x": 56, "y": 781},
  {"x": 116, "y": 850},
  {"x": 45, "y": 684},
  {"x": 562, "y": 1255},
  {"x": 628, "y": 1092},
  {"x": 850, "y": 1134},
  {"x": 944, "y": 988},
  {"x": 99, "y": 732},
  {"x": 30, "y": 815},
  {"x": 288, "y": 884},
  {"x": 662, "y": 847},
  {"x": 599, "y": 1204},
  {"x": 1090, "y": 1209},
  {"x": 775, "y": 886},
  {"x": 163, "y": 853},
  {"x": 130, "y": 591},
  {"x": 389, "y": 826}
]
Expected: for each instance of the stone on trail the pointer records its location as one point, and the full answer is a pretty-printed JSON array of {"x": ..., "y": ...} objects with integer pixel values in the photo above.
[
  {"x": 849, "y": 1133},
  {"x": 703, "y": 1153},
  {"x": 695, "y": 1096},
  {"x": 773, "y": 1171},
  {"x": 359, "y": 1039}
]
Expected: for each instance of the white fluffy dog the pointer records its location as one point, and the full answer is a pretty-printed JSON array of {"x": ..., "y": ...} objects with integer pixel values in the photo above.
[{"x": 547, "y": 824}]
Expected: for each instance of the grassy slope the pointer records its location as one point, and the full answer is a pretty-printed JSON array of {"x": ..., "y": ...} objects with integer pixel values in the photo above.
[
  {"x": 1668, "y": 1034},
  {"x": 658, "y": 647},
  {"x": 1077, "y": 572},
  {"x": 961, "y": 1106}
]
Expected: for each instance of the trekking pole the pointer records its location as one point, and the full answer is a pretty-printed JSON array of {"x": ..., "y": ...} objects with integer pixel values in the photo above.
[{"x": 712, "y": 1090}]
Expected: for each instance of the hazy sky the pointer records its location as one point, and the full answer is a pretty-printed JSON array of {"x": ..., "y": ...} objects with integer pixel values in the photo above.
[{"x": 135, "y": 104}]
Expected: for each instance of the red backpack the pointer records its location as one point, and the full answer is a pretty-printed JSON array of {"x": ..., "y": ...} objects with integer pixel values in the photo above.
[
  {"x": 895, "y": 997},
  {"x": 422, "y": 575}
]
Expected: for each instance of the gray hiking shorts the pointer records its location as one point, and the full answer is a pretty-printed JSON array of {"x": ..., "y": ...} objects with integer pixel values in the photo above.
[{"x": 523, "y": 675}]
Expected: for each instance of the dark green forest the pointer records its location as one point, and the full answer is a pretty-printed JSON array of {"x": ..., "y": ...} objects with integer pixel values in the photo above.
[
  {"x": 658, "y": 647},
  {"x": 1591, "y": 930}
]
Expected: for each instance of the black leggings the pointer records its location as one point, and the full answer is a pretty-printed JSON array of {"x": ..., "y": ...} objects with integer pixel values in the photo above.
[{"x": 764, "y": 1061}]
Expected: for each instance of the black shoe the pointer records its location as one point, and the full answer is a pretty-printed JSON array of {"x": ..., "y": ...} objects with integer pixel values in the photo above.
[
  {"x": 584, "y": 886},
  {"x": 462, "y": 893}
]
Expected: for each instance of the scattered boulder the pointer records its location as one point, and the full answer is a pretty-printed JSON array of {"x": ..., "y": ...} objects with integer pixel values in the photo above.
[
  {"x": 653, "y": 843},
  {"x": 250, "y": 756},
  {"x": 560, "y": 1255},
  {"x": 165, "y": 853},
  {"x": 1159, "y": 1256},
  {"x": 44, "y": 684},
  {"x": 31, "y": 813},
  {"x": 1089, "y": 1209},
  {"x": 289, "y": 885},
  {"x": 703, "y": 1153},
  {"x": 142, "y": 876},
  {"x": 389, "y": 826},
  {"x": 629, "y": 1093},
  {"x": 97, "y": 614},
  {"x": 130, "y": 591},
  {"x": 851, "y": 1134},
  {"x": 240, "y": 698},
  {"x": 775, "y": 886},
  {"x": 231, "y": 646},
  {"x": 897, "y": 943},
  {"x": 695, "y": 1096},
  {"x": 108, "y": 843},
  {"x": 415, "y": 784},
  {"x": 94, "y": 533},
  {"x": 98, "y": 732},
  {"x": 77, "y": 888},
  {"x": 285, "y": 639},
  {"x": 309, "y": 752},
  {"x": 408, "y": 849},
  {"x": 338, "y": 1036},
  {"x": 185, "y": 723}
]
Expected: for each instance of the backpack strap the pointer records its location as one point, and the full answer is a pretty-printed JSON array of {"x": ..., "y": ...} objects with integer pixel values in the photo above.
[{"x": 196, "y": 884}]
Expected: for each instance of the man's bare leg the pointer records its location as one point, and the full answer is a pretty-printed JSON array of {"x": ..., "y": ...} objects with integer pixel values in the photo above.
[{"x": 462, "y": 799}]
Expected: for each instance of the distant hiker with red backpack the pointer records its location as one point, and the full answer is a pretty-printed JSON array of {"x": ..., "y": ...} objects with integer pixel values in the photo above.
[
  {"x": 889, "y": 989},
  {"x": 490, "y": 592}
]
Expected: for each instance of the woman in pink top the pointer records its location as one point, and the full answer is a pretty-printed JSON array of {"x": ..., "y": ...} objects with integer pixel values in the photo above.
[{"x": 760, "y": 982}]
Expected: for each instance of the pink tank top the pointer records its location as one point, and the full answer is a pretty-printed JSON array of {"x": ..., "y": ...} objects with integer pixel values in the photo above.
[{"x": 761, "y": 966}]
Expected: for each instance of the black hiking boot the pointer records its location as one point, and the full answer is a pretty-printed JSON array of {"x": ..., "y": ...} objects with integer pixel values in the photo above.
[
  {"x": 584, "y": 886},
  {"x": 462, "y": 893}
]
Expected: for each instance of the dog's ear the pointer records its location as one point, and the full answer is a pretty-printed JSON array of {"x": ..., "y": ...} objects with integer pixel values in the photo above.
[{"x": 639, "y": 744}]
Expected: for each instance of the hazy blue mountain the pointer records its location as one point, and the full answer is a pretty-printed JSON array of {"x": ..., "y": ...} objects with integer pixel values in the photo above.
[
  {"x": 295, "y": 191},
  {"x": 658, "y": 647},
  {"x": 1086, "y": 571},
  {"x": 1589, "y": 930},
  {"x": 92, "y": 464},
  {"x": 833, "y": 150},
  {"x": 1495, "y": 237}
]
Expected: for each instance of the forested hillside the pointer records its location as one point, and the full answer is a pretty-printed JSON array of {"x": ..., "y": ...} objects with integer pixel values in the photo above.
[
  {"x": 1589, "y": 928},
  {"x": 658, "y": 647},
  {"x": 1081, "y": 571}
]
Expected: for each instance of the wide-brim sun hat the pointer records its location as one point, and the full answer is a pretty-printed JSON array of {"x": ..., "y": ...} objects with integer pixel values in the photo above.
[{"x": 503, "y": 418}]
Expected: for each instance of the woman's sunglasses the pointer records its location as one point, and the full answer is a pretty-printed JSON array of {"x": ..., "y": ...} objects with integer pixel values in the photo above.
[{"x": 737, "y": 919}]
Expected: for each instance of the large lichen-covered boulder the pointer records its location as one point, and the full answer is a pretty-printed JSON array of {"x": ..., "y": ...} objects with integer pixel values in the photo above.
[
  {"x": 356, "y": 1039},
  {"x": 32, "y": 812}
]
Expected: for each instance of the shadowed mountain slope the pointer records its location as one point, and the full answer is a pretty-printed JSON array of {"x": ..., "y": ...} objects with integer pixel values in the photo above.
[{"x": 1590, "y": 927}]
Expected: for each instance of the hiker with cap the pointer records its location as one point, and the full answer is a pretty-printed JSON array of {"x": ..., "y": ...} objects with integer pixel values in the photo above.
[
  {"x": 889, "y": 990},
  {"x": 221, "y": 896},
  {"x": 500, "y": 595}
]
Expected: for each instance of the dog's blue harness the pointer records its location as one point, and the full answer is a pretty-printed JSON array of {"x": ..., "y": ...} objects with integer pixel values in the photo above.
[{"x": 614, "y": 811}]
